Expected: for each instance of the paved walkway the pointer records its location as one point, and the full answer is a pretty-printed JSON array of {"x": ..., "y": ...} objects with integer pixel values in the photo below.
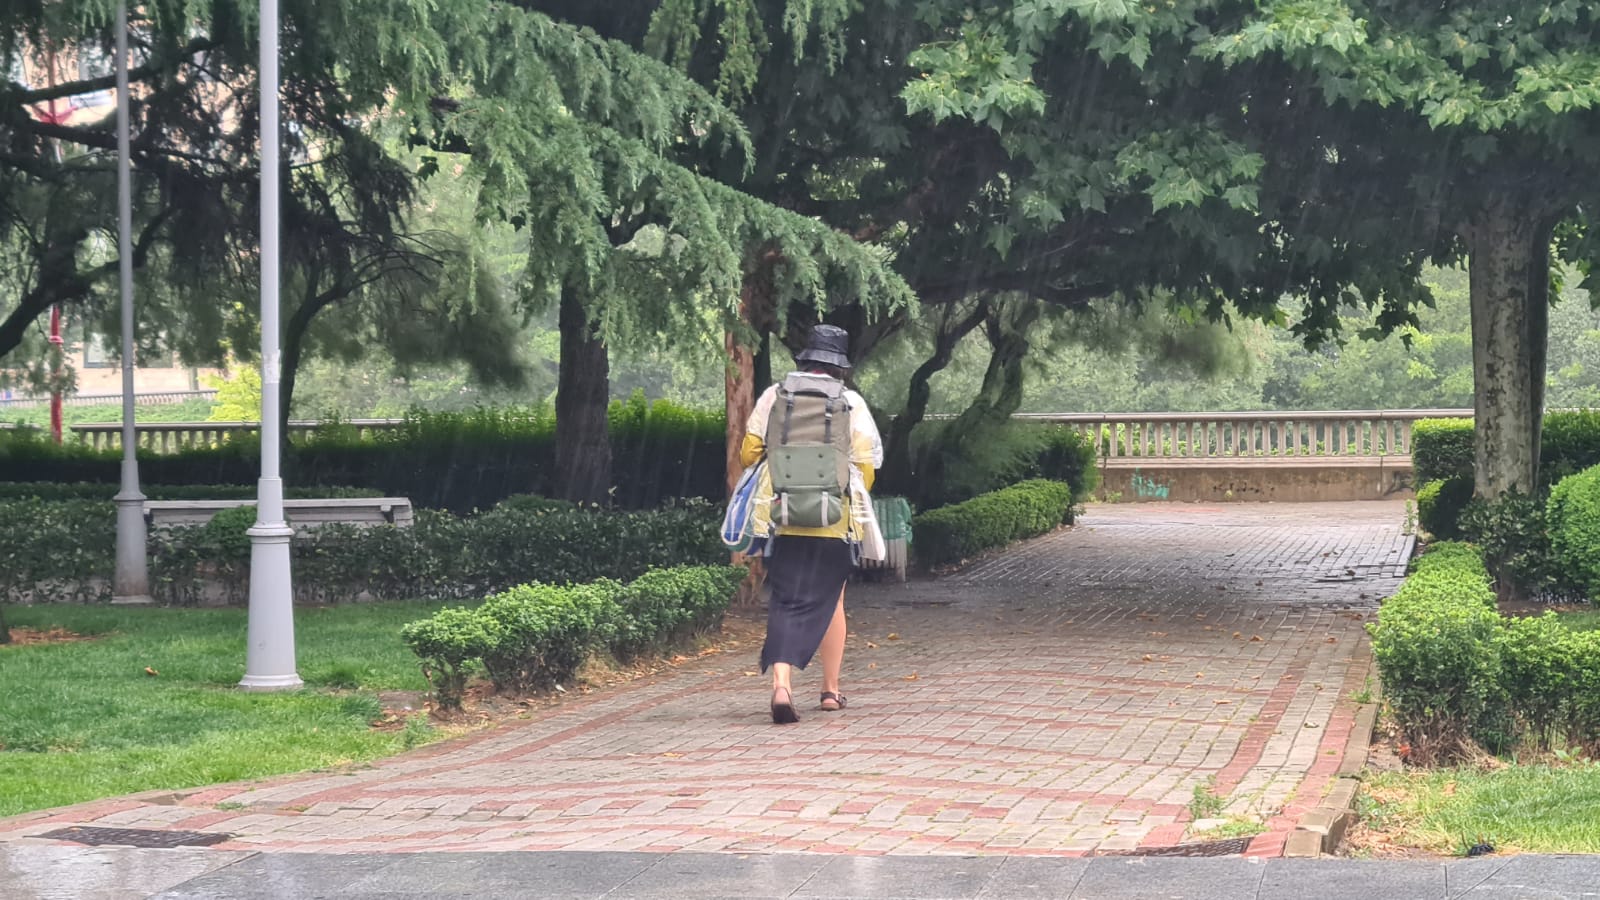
[{"x": 1067, "y": 698}]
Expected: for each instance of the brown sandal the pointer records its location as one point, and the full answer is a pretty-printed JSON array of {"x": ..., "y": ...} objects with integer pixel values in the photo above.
[
  {"x": 783, "y": 713},
  {"x": 837, "y": 700}
]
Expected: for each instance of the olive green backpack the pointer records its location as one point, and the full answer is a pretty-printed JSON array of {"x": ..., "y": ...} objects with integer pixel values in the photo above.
[{"x": 808, "y": 452}]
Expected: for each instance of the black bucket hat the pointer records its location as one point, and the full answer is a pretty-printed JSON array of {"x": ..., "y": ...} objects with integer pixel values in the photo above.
[{"x": 829, "y": 345}]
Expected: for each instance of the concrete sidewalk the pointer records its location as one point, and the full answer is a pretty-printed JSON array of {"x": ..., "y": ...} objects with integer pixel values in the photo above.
[{"x": 37, "y": 872}]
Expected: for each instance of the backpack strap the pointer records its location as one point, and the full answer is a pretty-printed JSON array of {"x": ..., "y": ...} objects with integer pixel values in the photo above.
[
  {"x": 788, "y": 412},
  {"x": 827, "y": 421}
]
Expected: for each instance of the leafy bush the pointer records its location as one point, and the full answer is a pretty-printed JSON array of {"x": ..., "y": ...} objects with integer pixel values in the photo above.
[
  {"x": 666, "y": 607},
  {"x": 952, "y": 470},
  {"x": 1442, "y": 449},
  {"x": 1454, "y": 556},
  {"x": 954, "y": 533},
  {"x": 1457, "y": 673},
  {"x": 449, "y": 643},
  {"x": 1515, "y": 541},
  {"x": 1440, "y": 504},
  {"x": 547, "y": 632},
  {"x": 1437, "y": 645},
  {"x": 538, "y": 635},
  {"x": 1573, "y": 514},
  {"x": 66, "y": 551}
]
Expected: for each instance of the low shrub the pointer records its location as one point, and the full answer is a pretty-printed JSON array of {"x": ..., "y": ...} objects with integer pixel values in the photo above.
[
  {"x": 955, "y": 533},
  {"x": 1437, "y": 645},
  {"x": 1442, "y": 449},
  {"x": 1512, "y": 534},
  {"x": 1457, "y": 674},
  {"x": 1573, "y": 515},
  {"x": 66, "y": 550},
  {"x": 547, "y": 632},
  {"x": 538, "y": 635},
  {"x": 953, "y": 469},
  {"x": 665, "y": 608},
  {"x": 1440, "y": 504},
  {"x": 450, "y": 642}
]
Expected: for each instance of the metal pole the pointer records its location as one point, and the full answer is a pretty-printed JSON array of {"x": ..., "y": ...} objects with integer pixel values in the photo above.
[
  {"x": 131, "y": 581},
  {"x": 269, "y": 661}
]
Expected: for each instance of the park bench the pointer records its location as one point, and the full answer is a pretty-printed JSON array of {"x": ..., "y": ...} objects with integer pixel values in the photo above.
[{"x": 303, "y": 513}]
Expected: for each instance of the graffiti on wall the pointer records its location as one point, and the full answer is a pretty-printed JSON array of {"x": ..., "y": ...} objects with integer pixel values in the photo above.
[{"x": 1147, "y": 488}]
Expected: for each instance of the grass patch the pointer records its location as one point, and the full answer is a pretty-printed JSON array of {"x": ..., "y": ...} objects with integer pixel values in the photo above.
[
  {"x": 1527, "y": 809},
  {"x": 1235, "y": 827},
  {"x": 1582, "y": 621},
  {"x": 83, "y": 720}
]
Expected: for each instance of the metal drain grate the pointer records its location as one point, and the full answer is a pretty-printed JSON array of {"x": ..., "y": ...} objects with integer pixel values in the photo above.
[
  {"x": 1230, "y": 847},
  {"x": 135, "y": 837}
]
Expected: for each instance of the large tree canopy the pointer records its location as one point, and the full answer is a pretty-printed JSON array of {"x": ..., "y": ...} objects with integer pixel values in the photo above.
[{"x": 1386, "y": 132}]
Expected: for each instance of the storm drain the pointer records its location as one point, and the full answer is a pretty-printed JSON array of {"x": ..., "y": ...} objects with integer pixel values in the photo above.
[
  {"x": 135, "y": 837},
  {"x": 1230, "y": 847}
]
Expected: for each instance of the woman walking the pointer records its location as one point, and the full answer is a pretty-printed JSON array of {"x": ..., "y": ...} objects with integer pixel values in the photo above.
[{"x": 822, "y": 451}]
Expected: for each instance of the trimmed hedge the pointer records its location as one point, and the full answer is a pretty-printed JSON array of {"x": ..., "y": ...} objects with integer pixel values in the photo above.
[
  {"x": 44, "y": 490},
  {"x": 1440, "y": 504},
  {"x": 1457, "y": 674},
  {"x": 538, "y": 636},
  {"x": 954, "y": 533},
  {"x": 456, "y": 461},
  {"x": 1442, "y": 449},
  {"x": 66, "y": 550},
  {"x": 1573, "y": 515}
]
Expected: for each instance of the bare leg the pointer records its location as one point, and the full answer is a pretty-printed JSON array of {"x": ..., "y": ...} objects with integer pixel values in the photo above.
[
  {"x": 832, "y": 650},
  {"x": 782, "y": 695}
]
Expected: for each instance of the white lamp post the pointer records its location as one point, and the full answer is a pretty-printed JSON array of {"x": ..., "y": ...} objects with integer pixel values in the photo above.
[
  {"x": 269, "y": 661},
  {"x": 130, "y": 582}
]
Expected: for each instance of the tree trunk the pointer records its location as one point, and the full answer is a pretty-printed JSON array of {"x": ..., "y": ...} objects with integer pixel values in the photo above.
[
  {"x": 740, "y": 400},
  {"x": 999, "y": 397},
  {"x": 1510, "y": 285},
  {"x": 763, "y": 364},
  {"x": 898, "y": 466},
  {"x": 5, "y": 633},
  {"x": 583, "y": 395}
]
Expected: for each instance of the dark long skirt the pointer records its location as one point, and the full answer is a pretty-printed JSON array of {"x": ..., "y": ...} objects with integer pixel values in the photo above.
[{"x": 806, "y": 576}]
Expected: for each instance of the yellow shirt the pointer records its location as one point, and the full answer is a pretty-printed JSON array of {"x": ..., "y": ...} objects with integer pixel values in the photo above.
[{"x": 866, "y": 454}]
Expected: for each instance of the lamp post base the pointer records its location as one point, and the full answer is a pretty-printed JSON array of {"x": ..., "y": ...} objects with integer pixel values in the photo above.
[{"x": 270, "y": 658}]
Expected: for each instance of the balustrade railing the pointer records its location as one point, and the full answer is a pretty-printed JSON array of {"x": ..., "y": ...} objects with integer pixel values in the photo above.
[{"x": 1122, "y": 437}]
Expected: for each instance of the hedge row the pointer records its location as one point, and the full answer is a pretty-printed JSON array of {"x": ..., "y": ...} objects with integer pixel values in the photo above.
[
  {"x": 1443, "y": 448},
  {"x": 951, "y": 534},
  {"x": 456, "y": 461},
  {"x": 46, "y": 490},
  {"x": 538, "y": 635},
  {"x": 65, "y": 551},
  {"x": 1459, "y": 675}
]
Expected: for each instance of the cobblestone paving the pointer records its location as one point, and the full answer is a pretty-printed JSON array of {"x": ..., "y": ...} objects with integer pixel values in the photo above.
[{"x": 1070, "y": 696}]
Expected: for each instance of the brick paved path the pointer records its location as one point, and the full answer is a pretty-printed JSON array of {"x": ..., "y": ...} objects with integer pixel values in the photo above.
[{"x": 1063, "y": 698}]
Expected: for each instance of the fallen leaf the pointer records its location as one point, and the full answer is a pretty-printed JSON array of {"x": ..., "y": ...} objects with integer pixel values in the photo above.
[
  {"x": 1238, "y": 634},
  {"x": 894, "y": 636},
  {"x": 871, "y": 646},
  {"x": 1158, "y": 634},
  {"x": 673, "y": 755},
  {"x": 1199, "y": 674},
  {"x": 1255, "y": 638},
  {"x": 1222, "y": 702},
  {"x": 912, "y": 677},
  {"x": 1333, "y": 640},
  {"x": 872, "y": 665},
  {"x": 151, "y": 672},
  {"x": 1148, "y": 657}
]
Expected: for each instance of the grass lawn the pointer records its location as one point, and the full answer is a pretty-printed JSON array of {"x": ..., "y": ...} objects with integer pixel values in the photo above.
[
  {"x": 1527, "y": 809},
  {"x": 83, "y": 720},
  {"x": 1582, "y": 621}
]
